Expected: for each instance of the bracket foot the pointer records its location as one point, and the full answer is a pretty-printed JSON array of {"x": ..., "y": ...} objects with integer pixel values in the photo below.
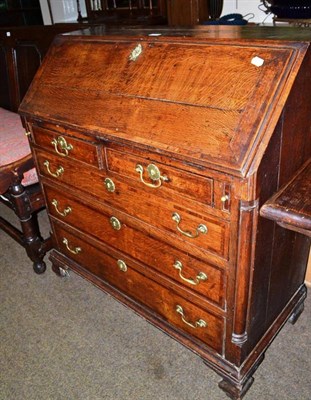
[{"x": 235, "y": 391}]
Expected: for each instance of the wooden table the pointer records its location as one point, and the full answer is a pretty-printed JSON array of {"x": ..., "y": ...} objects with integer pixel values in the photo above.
[{"x": 291, "y": 206}]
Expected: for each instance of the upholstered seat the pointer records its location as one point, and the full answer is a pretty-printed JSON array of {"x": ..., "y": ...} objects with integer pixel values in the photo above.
[
  {"x": 14, "y": 144},
  {"x": 19, "y": 188}
]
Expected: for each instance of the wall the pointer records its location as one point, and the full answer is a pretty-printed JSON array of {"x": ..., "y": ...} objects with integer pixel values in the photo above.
[
  {"x": 66, "y": 10},
  {"x": 61, "y": 10},
  {"x": 246, "y": 7}
]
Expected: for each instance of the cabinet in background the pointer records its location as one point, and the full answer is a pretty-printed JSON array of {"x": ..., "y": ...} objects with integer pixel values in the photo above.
[
  {"x": 22, "y": 49},
  {"x": 20, "y": 12},
  {"x": 187, "y": 12},
  {"x": 127, "y": 12}
]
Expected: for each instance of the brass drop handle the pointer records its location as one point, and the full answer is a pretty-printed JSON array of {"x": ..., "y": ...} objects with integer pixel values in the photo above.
[
  {"x": 200, "y": 323},
  {"x": 122, "y": 265},
  {"x": 75, "y": 250},
  {"x": 59, "y": 171},
  {"x": 61, "y": 146},
  {"x": 67, "y": 210},
  {"x": 199, "y": 278},
  {"x": 200, "y": 229},
  {"x": 153, "y": 173}
]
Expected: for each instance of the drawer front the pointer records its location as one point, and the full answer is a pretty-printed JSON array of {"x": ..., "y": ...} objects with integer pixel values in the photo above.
[
  {"x": 159, "y": 177},
  {"x": 121, "y": 274},
  {"x": 67, "y": 146},
  {"x": 196, "y": 228},
  {"x": 198, "y": 276},
  {"x": 177, "y": 215}
]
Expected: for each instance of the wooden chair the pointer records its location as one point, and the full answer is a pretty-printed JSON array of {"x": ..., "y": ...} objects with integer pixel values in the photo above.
[{"x": 20, "y": 190}]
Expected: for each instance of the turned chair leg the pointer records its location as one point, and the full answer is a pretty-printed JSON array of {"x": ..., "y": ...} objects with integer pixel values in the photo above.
[{"x": 32, "y": 241}]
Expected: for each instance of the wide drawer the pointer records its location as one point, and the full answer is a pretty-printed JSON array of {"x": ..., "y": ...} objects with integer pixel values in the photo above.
[
  {"x": 121, "y": 274},
  {"x": 194, "y": 227},
  {"x": 189, "y": 271},
  {"x": 67, "y": 146}
]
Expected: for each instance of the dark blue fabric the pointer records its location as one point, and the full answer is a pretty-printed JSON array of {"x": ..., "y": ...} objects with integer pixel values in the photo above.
[{"x": 230, "y": 19}]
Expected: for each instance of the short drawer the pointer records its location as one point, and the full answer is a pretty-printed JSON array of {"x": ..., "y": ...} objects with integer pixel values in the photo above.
[
  {"x": 67, "y": 146},
  {"x": 191, "y": 272},
  {"x": 121, "y": 274},
  {"x": 160, "y": 177}
]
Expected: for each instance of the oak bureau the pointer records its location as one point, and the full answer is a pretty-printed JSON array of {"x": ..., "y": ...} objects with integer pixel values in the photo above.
[{"x": 156, "y": 150}]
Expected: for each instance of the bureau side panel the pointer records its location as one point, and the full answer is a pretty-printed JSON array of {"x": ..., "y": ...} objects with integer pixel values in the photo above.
[
  {"x": 266, "y": 185},
  {"x": 296, "y": 135},
  {"x": 281, "y": 255},
  {"x": 290, "y": 250}
]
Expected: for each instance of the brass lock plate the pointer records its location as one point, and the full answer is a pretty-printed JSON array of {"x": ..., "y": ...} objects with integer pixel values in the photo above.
[
  {"x": 136, "y": 52},
  {"x": 153, "y": 172}
]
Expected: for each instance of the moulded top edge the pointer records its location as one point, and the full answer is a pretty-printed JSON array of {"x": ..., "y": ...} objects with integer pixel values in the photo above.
[{"x": 279, "y": 35}]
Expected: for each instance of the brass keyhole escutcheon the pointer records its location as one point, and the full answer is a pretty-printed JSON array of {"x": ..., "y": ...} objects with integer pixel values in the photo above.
[
  {"x": 115, "y": 223},
  {"x": 135, "y": 53},
  {"x": 109, "y": 184},
  {"x": 153, "y": 172},
  {"x": 122, "y": 265}
]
